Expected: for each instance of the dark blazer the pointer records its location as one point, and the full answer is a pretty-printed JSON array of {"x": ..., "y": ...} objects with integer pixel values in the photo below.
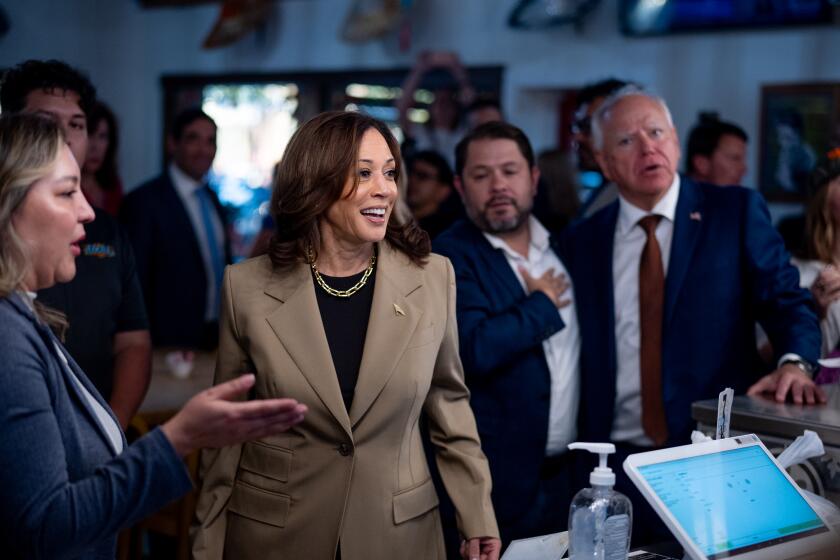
[
  {"x": 65, "y": 493},
  {"x": 728, "y": 268},
  {"x": 501, "y": 330},
  {"x": 169, "y": 263}
]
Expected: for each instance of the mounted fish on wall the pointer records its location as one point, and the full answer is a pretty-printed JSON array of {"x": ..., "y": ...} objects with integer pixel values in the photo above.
[
  {"x": 237, "y": 18},
  {"x": 372, "y": 19},
  {"x": 542, "y": 14}
]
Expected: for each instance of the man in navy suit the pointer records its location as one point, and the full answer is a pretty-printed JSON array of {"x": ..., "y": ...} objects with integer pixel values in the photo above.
[
  {"x": 670, "y": 281},
  {"x": 519, "y": 339},
  {"x": 179, "y": 233}
]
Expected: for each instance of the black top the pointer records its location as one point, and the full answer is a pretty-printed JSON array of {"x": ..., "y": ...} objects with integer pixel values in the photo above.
[
  {"x": 103, "y": 299},
  {"x": 345, "y": 324}
]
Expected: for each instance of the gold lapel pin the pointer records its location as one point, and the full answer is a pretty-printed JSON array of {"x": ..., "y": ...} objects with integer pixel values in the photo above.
[{"x": 398, "y": 310}]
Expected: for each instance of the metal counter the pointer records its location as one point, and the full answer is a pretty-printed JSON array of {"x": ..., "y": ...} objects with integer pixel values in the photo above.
[
  {"x": 777, "y": 424},
  {"x": 762, "y": 416}
]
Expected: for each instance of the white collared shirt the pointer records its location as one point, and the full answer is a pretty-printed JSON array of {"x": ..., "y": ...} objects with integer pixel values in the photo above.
[
  {"x": 628, "y": 243},
  {"x": 562, "y": 350},
  {"x": 186, "y": 188}
]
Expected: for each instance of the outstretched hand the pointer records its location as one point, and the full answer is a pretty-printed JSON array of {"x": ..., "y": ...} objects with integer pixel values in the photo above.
[{"x": 213, "y": 419}]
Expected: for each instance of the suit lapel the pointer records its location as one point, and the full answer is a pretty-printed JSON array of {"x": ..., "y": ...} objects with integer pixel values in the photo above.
[
  {"x": 393, "y": 319},
  {"x": 688, "y": 222},
  {"x": 176, "y": 212},
  {"x": 603, "y": 289},
  {"x": 54, "y": 346},
  {"x": 495, "y": 262},
  {"x": 297, "y": 323}
]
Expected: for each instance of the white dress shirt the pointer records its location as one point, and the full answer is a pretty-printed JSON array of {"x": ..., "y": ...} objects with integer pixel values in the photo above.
[
  {"x": 186, "y": 188},
  {"x": 628, "y": 243},
  {"x": 562, "y": 350}
]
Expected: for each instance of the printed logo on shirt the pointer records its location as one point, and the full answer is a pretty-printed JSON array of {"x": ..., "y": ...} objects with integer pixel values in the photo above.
[{"x": 99, "y": 250}]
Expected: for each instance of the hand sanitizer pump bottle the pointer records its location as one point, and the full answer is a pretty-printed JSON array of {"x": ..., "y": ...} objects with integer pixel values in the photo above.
[{"x": 600, "y": 519}]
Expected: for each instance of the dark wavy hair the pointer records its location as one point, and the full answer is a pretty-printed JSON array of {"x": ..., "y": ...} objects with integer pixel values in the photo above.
[
  {"x": 33, "y": 75},
  {"x": 704, "y": 138},
  {"x": 107, "y": 176},
  {"x": 320, "y": 158}
]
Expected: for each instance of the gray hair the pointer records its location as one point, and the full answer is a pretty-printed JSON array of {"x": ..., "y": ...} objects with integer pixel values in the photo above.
[{"x": 610, "y": 102}]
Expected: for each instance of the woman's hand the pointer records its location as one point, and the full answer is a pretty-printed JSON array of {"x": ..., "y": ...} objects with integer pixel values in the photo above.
[
  {"x": 826, "y": 289},
  {"x": 481, "y": 548},
  {"x": 210, "y": 419}
]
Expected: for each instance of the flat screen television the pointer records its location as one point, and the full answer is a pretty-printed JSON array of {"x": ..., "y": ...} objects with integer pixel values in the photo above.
[{"x": 659, "y": 17}]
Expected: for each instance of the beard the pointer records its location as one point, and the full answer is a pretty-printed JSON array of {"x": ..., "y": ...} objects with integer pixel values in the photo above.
[{"x": 489, "y": 224}]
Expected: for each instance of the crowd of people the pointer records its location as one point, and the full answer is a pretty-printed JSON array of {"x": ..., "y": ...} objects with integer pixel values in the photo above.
[{"x": 428, "y": 327}]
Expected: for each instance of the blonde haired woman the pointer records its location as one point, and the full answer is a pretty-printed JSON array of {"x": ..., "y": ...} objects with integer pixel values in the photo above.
[
  {"x": 819, "y": 267},
  {"x": 70, "y": 481}
]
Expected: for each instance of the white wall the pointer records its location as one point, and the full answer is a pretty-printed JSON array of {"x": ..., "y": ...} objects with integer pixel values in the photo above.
[{"x": 126, "y": 49}]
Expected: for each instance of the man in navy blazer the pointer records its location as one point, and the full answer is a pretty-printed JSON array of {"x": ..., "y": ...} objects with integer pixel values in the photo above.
[
  {"x": 722, "y": 267},
  {"x": 179, "y": 232},
  {"x": 518, "y": 333}
]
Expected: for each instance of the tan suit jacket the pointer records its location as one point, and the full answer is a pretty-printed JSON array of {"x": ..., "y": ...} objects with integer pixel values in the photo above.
[{"x": 359, "y": 477}]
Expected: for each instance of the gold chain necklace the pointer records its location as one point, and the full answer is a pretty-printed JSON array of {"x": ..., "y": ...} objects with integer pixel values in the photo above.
[{"x": 341, "y": 293}]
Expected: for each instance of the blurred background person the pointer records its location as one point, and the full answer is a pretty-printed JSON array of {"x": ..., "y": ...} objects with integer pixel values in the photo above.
[
  {"x": 70, "y": 480},
  {"x": 557, "y": 202},
  {"x": 601, "y": 191},
  {"x": 430, "y": 192},
  {"x": 482, "y": 110},
  {"x": 350, "y": 312},
  {"x": 101, "y": 182},
  {"x": 179, "y": 231},
  {"x": 819, "y": 266},
  {"x": 446, "y": 126},
  {"x": 716, "y": 152}
]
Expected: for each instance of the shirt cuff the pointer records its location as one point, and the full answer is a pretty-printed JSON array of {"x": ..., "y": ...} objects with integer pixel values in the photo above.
[{"x": 791, "y": 357}]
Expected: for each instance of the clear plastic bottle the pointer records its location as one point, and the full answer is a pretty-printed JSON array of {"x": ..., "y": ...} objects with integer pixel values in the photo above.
[{"x": 600, "y": 519}]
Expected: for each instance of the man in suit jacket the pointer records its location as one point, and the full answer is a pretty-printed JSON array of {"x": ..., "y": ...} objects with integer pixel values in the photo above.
[
  {"x": 179, "y": 233},
  {"x": 517, "y": 328},
  {"x": 670, "y": 281}
]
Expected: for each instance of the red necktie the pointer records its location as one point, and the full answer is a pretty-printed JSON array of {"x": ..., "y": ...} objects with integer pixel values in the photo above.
[{"x": 651, "y": 303}]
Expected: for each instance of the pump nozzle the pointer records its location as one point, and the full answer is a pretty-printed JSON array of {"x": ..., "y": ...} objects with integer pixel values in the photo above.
[{"x": 602, "y": 475}]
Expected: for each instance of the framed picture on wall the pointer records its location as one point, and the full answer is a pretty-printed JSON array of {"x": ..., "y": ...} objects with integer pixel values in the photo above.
[{"x": 798, "y": 122}]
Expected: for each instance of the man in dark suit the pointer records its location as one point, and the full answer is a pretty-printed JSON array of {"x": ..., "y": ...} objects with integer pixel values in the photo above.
[
  {"x": 518, "y": 332},
  {"x": 179, "y": 233},
  {"x": 670, "y": 281}
]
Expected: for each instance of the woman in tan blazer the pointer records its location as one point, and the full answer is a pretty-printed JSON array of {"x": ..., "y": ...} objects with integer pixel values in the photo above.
[{"x": 350, "y": 314}]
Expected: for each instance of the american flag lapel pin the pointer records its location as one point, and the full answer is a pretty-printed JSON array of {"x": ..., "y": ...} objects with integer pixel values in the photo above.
[{"x": 695, "y": 216}]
